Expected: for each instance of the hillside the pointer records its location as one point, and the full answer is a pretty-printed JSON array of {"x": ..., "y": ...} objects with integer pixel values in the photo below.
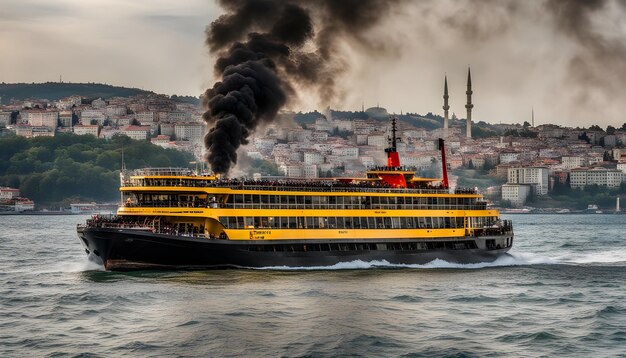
[
  {"x": 53, "y": 170},
  {"x": 57, "y": 90}
]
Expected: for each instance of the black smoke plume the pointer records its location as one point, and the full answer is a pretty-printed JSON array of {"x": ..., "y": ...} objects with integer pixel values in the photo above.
[{"x": 265, "y": 50}]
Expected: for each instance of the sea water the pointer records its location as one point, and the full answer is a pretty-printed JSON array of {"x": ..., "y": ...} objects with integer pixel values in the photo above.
[{"x": 561, "y": 292}]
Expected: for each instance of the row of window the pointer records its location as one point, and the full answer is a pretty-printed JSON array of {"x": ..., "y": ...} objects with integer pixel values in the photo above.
[
  {"x": 340, "y": 222},
  {"x": 255, "y": 201},
  {"x": 248, "y": 201},
  {"x": 393, "y": 246}
]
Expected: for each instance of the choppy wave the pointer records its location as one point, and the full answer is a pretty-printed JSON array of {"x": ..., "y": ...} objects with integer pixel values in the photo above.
[{"x": 598, "y": 257}]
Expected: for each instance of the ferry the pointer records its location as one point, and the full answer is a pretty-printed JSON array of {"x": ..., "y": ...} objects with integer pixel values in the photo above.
[{"x": 174, "y": 218}]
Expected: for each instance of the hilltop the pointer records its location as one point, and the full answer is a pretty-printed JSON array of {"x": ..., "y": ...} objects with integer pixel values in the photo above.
[{"x": 58, "y": 90}]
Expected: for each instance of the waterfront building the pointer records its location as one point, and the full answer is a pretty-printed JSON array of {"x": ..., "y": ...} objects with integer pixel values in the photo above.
[
  {"x": 86, "y": 129},
  {"x": 89, "y": 115},
  {"x": 5, "y": 118},
  {"x": 42, "y": 118},
  {"x": 582, "y": 177},
  {"x": 65, "y": 118},
  {"x": 137, "y": 132},
  {"x": 516, "y": 193},
  {"x": 572, "y": 162},
  {"x": 536, "y": 176},
  {"x": 189, "y": 131},
  {"x": 8, "y": 193}
]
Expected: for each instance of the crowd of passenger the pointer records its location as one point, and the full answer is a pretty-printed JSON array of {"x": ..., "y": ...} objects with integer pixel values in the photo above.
[
  {"x": 127, "y": 222},
  {"x": 318, "y": 184}
]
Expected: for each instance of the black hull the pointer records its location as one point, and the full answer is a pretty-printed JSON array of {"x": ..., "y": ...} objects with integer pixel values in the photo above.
[{"x": 127, "y": 249}]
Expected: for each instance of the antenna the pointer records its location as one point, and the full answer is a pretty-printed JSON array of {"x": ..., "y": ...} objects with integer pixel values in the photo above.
[{"x": 123, "y": 163}]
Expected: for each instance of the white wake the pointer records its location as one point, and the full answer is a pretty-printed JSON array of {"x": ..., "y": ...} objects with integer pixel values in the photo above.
[{"x": 505, "y": 260}]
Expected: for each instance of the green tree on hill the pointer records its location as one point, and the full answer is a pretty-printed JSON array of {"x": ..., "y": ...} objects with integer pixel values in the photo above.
[{"x": 51, "y": 169}]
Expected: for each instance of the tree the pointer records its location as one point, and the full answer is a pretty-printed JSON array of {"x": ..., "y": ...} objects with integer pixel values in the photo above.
[
  {"x": 610, "y": 130},
  {"x": 584, "y": 137},
  {"x": 526, "y": 124},
  {"x": 596, "y": 127}
]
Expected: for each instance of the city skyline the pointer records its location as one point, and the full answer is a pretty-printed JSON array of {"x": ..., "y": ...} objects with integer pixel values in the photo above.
[{"x": 523, "y": 56}]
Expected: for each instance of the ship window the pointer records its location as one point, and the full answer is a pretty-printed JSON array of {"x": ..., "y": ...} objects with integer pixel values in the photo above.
[
  {"x": 309, "y": 222},
  {"x": 315, "y": 201},
  {"x": 324, "y": 202},
  {"x": 332, "y": 222},
  {"x": 410, "y": 223},
  {"x": 264, "y": 200},
  {"x": 348, "y": 223},
  {"x": 340, "y": 202},
  {"x": 323, "y": 222},
  {"x": 356, "y": 222},
  {"x": 300, "y": 199},
  {"x": 292, "y": 222},
  {"x": 371, "y": 223},
  {"x": 376, "y": 202},
  {"x": 355, "y": 202},
  {"x": 395, "y": 223},
  {"x": 384, "y": 202},
  {"x": 340, "y": 222},
  {"x": 307, "y": 201},
  {"x": 403, "y": 223}
]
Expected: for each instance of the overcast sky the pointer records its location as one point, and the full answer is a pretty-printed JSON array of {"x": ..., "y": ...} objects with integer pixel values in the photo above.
[{"x": 568, "y": 61}]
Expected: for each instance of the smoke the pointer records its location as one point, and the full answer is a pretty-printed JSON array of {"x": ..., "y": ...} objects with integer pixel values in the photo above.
[
  {"x": 597, "y": 65},
  {"x": 565, "y": 58},
  {"x": 267, "y": 49}
]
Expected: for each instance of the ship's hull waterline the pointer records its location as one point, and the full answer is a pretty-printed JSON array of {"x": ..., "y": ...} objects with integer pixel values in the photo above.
[{"x": 127, "y": 249}]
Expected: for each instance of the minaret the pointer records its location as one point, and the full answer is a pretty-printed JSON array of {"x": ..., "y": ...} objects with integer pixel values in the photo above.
[
  {"x": 469, "y": 104},
  {"x": 446, "y": 107}
]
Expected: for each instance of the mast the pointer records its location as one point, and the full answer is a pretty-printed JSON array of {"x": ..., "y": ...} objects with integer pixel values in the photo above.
[
  {"x": 444, "y": 166},
  {"x": 446, "y": 107},
  {"x": 393, "y": 158}
]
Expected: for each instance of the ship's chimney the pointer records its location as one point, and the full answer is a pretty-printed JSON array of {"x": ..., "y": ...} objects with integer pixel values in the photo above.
[
  {"x": 444, "y": 165},
  {"x": 393, "y": 158}
]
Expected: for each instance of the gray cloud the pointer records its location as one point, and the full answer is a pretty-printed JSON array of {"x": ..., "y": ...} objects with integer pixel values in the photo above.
[{"x": 562, "y": 57}]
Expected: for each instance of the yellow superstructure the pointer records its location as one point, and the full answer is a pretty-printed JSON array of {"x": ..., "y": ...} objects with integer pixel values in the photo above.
[{"x": 368, "y": 208}]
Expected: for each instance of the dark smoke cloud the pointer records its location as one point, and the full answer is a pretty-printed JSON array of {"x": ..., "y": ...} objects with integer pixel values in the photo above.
[
  {"x": 267, "y": 48},
  {"x": 587, "y": 35},
  {"x": 598, "y": 64}
]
